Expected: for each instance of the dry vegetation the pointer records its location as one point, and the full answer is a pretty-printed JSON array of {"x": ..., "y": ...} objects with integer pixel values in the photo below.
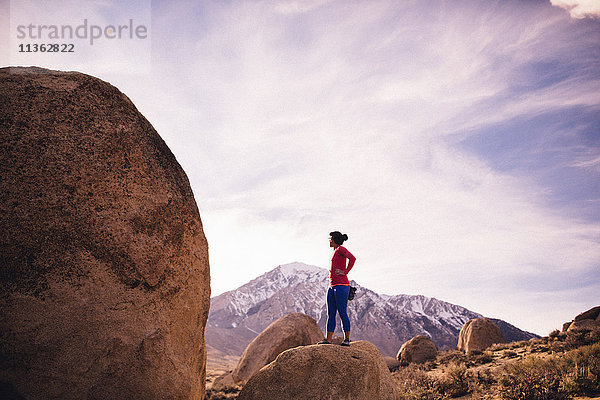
[
  {"x": 224, "y": 393},
  {"x": 560, "y": 366},
  {"x": 217, "y": 363}
]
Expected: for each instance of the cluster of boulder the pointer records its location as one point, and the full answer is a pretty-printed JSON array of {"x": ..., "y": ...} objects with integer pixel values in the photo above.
[
  {"x": 284, "y": 362},
  {"x": 306, "y": 371},
  {"x": 589, "y": 319},
  {"x": 287, "y": 332},
  {"x": 476, "y": 335}
]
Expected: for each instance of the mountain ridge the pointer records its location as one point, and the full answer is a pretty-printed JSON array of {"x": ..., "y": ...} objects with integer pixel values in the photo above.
[{"x": 239, "y": 315}]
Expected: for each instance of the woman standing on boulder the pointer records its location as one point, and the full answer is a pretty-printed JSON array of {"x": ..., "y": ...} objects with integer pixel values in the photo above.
[{"x": 337, "y": 295}]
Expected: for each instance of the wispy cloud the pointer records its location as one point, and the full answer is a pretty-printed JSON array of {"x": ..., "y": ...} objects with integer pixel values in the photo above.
[
  {"x": 589, "y": 163},
  {"x": 387, "y": 120}
]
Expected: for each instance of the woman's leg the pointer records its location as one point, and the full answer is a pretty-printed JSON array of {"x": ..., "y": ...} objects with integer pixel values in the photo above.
[
  {"x": 331, "y": 310},
  {"x": 341, "y": 302}
]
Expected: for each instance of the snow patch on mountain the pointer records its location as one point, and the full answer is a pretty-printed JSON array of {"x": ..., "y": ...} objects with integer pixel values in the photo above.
[
  {"x": 300, "y": 270},
  {"x": 385, "y": 320}
]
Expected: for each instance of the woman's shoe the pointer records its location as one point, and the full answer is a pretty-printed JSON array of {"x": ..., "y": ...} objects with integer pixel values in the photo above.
[
  {"x": 324, "y": 341},
  {"x": 346, "y": 342}
]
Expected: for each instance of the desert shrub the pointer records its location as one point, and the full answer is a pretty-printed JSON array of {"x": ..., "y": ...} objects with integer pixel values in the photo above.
[
  {"x": 516, "y": 345},
  {"x": 498, "y": 346},
  {"x": 583, "y": 377},
  {"x": 574, "y": 373},
  {"x": 482, "y": 384},
  {"x": 476, "y": 358},
  {"x": 533, "y": 379},
  {"x": 577, "y": 338},
  {"x": 554, "y": 335},
  {"x": 558, "y": 347},
  {"x": 430, "y": 365},
  {"x": 543, "y": 339},
  {"x": 226, "y": 393},
  {"x": 484, "y": 358},
  {"x": 540, "y": 349},
  {"x": 555, "y": 377},
  {"x": 456, "y": 381},
  {"x": 582, "y": 337},
  {"x": 451, "y": 357},
  {"x": 216, "y": 395},
  {"x": 414, "y": 383},
  {"x": 509, "y": 354}
]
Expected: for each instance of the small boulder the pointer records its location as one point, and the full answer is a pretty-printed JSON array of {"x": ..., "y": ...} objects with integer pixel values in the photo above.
[
  {"x": 223, "y": 381},
  {"x": 478, "y": 334},
  {"x": 392, "y": 363},
  {"x": 324, "y": 372},
  {"x": 417, "y": 350},
  {"x": 289, "y": 331}
]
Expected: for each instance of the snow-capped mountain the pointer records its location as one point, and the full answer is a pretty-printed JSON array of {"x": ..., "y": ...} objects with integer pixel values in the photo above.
[{"x": 237, "y": 316}]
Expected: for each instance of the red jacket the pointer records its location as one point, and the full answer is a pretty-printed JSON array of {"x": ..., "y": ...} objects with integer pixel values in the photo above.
[{"x": 338, "y": 261}]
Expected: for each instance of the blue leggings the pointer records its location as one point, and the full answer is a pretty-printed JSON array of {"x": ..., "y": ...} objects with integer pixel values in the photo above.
[{"x": 337, "y": 300}]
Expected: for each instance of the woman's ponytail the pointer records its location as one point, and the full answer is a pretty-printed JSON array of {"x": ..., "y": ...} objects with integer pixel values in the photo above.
[{"x": 338, "y": 237}]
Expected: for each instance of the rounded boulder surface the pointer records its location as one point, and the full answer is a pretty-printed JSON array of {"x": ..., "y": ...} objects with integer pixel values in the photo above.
[
  {"x": 323, "y": 372},
  {"x": 223, "y": 381},
  {"x": 417, "y": 350},
  {"x": 392, "y": 363},
  {"x": 289, "y": 331},
  {"x": 478, "y": 334},
  {"x": 104, "y": 286},
  {"x": 584, "y": 324},
  {"x": 591, "y": 314}
]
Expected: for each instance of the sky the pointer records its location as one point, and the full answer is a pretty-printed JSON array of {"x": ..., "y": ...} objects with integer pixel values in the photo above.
[{"x": 457, "y": 143}]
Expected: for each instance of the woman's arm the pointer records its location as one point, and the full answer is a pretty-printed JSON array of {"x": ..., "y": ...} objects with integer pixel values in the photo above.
[{"x": 350, "y": 257}]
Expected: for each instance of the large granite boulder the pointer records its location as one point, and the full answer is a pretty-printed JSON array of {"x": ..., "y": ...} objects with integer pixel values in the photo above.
[
  {"x": 591, "y": 314},
  {"x": 478, "y": 334},
  {"x": 104, "y": 279},
  {"x": 289, "y": 331},
  {"x": 589, "y": 320},
  {"x": 323, "y": 372},
  {"x": 417, "y": 350}
]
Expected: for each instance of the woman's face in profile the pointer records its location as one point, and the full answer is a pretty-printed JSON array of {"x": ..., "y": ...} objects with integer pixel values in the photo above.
[{"x": 331, "y": 242}]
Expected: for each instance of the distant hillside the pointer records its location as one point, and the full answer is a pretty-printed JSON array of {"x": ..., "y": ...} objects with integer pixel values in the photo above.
[{"x": 237, "y": 316}]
